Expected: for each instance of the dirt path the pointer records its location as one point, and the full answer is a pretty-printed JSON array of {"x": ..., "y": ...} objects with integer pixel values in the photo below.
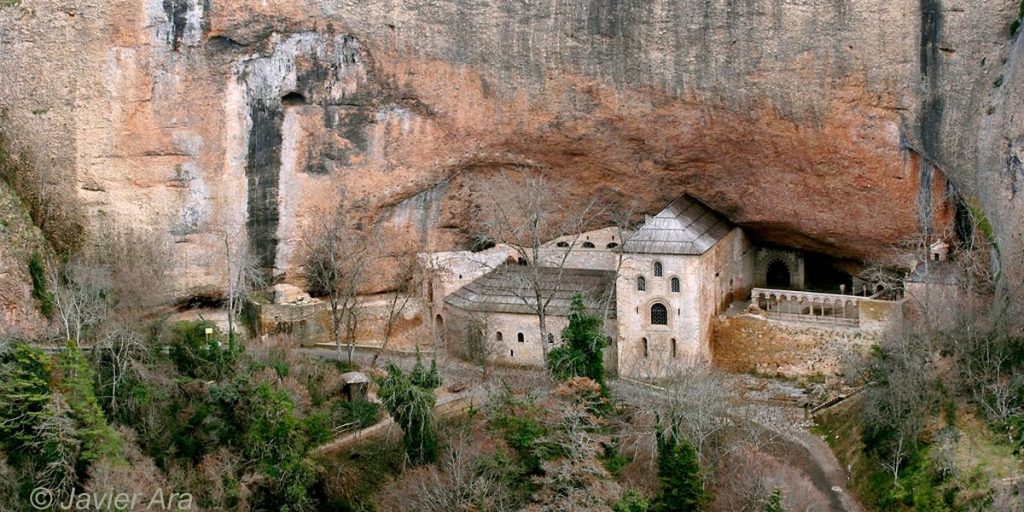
[{"x": 448, "y": 405}]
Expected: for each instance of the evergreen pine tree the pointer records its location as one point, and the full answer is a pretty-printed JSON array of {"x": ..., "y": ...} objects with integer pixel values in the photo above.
[
  {"x": 582, "y": 351},
  {"x": 681, "y": 486},
  {"x": 75, "y": 381}
]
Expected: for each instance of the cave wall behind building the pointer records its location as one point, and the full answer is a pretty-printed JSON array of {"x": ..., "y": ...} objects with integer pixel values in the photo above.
[{"x": 835, "y": 126}]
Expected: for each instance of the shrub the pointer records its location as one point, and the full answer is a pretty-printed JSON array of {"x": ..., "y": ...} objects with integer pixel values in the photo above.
[
  {"x": 517, "y": 419},
  {"x": 354, "y": 414},
  {"x": 1015, "y": 24},
  {"x": 612, "y": 460},
  {"x": 200, "y": 356},
  {"x": 774, "y": 501},
  {"x": 632, "y": 501},
  {"x": 37, "y": 271}
]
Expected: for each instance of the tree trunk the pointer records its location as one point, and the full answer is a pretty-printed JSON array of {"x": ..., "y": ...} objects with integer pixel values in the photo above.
[
  {"x": 543, "y": 318},
  {"x": 336, "y": 325}
]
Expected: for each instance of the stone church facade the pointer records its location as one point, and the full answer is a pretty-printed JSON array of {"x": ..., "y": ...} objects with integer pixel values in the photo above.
[{"x": 676, "y": 272}]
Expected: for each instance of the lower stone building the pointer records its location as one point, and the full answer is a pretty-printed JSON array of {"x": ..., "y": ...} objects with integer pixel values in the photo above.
[{"x": 495, "y": 316}]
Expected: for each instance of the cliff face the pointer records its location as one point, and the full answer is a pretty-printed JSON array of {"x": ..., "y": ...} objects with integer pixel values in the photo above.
[{"x": 831, "y": 125}]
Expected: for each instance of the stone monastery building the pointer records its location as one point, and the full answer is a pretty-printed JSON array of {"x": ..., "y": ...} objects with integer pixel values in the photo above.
[{"x": 675, "y": 274}]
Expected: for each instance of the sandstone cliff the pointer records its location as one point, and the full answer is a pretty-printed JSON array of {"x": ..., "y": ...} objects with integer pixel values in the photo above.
[{"x": 838, "y": 126}]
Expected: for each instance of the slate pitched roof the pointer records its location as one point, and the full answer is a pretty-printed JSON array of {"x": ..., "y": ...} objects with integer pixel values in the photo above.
[
  {"x": 686, "y": 226},
  {"x": 504, "y": 289}
]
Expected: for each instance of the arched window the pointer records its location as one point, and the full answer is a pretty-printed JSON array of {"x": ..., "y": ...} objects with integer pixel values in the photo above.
[
  {"x": 658, "y": 270},
  {"x": 673, "y": 348},
  {"x": 522, "y": 339},
  {"x": 647, "y": 351},
  {"x": 675, "y": 285},
  {"x": 641, "y": 283},
  {"x": 612, "y": 245},
  {"x": 522, "y": 261},
  {"x": 551, "y": 338},
  {"x": 588, "y": 245},
  {"x": 659, "y": 315},
  {"x": 498, "y": 336},
  {"x": 562, "y": 244}
]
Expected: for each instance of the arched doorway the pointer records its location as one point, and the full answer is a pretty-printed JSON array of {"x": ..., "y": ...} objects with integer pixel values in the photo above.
[
  {"x": 439, "y": 331},
  {"x": 777, "y": 275}
]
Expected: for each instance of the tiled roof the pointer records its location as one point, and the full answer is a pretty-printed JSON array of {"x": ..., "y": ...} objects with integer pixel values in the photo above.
[
  {"x": 686, "y": 226},
  {"x": 508, "y": 289}
]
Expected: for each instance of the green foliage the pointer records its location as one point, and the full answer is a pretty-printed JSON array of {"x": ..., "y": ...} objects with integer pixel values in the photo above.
[
  {"x": 357, "y": 413},
  {"x": 518, "y": 420},
  {"x": 24, "y": 395},
  {"x": 424, "y": 378},
  {"x": 612, "y": 460},
  {"x": 680, "y": 483},
  {"x": 412, "y": 407},
  {"x": 581, "y": 353},
  {"x": 774, "y": 501},
  {"x": 37, "y": 271},
  {"x": 75, "y": 380},
  {"x": 632, "y": 501},
  {"x": 200, "y": 356},
  {"x": 918, "y": 487},
  {"x": 1015, "y": 24}
]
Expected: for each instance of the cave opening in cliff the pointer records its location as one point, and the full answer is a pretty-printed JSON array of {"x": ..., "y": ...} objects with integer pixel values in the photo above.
[
  {"x": 200, "y": 301},
  {"x": 824, "y": 274},
  {"x": 293, "y": 99}
]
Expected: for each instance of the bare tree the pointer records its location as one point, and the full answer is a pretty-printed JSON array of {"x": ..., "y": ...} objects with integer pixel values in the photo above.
[
  {"x": 337, "y": 255},
  {"x": 80, "y": 290},
  {"x": 58, "y": 437},
  {"x": 520, "y": 209},
  {"x": 140, "y": 267},
  {"x": 120, "y": 349},
  {"x": 899, "y": 399},
  {"x": 622, "y": 219},
  {"x": 407, "y": 272},
  {"x": 244, "y": 276}
]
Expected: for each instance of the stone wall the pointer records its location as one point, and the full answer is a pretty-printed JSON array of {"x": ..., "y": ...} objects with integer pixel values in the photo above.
[
  {"x": 311, "y": 323},
  {"x": 880, "y": 317},
  {"x": 751, "y": 343},
  {"x": 506, "y": 348}
]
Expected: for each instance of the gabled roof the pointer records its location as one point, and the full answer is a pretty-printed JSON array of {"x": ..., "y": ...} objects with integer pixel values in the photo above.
[
  {"x": 508, "y": 289},
  {"x": 686, "y": 226}
]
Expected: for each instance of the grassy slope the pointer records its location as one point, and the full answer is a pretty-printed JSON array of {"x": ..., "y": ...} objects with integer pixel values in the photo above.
[{"x": 982, "y": 460}]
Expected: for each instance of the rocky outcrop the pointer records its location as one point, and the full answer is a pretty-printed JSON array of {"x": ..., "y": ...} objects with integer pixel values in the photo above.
[{"x": 828, "y": 125}]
